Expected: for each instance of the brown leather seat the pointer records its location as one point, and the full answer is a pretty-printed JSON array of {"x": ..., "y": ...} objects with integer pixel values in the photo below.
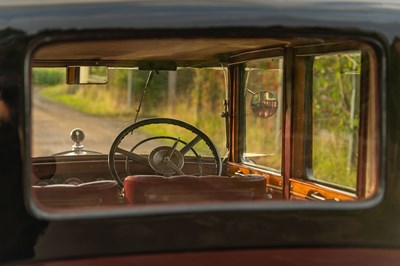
[
  {"x": 97, "y": 193},
  {"x": 146, "y": 189}
]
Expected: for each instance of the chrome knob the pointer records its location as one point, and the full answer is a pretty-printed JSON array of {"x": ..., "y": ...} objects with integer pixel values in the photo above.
[{"x": 77, "y": 136}]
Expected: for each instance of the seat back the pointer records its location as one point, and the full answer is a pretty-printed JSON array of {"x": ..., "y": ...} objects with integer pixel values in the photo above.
[
  {"x": 97, "y": 193},
  {"x": 147, "y": 189}
]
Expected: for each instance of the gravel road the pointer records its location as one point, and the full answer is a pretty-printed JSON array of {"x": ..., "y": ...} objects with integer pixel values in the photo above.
[{"x": 52, "y": 124}]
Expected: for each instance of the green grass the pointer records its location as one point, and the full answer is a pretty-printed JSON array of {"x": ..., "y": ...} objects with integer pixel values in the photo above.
[
  {"x": 90, "y": 100},
  {"x": 330, "y": 161}
]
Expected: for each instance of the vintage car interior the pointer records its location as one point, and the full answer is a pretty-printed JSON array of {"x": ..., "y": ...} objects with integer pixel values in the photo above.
[{"x": 129, "y": 124}]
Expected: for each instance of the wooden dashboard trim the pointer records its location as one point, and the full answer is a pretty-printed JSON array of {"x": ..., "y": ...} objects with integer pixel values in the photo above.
[{"x": 304, "y": 189}]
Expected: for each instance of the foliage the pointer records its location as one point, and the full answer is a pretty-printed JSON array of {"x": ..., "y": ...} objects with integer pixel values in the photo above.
[
  {"x": 333, "y": 78},
  {"x": 92, "y": 100},
  {"x": 48, "y": 76},
  {"x": 336, "y": 93},
  {"x": 155, "y": 92}
]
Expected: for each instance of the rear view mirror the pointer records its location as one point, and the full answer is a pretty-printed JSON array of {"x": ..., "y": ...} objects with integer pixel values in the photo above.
[
  {"x": 87, "y": 75},
  {"x": 264, "y": 104}
]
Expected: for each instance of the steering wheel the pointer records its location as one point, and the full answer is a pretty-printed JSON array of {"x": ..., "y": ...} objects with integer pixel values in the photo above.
[{"x": 168, "y": 154}]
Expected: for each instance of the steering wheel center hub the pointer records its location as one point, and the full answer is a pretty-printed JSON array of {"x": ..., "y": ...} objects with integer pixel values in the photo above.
[{"x": 161, "y": 162}]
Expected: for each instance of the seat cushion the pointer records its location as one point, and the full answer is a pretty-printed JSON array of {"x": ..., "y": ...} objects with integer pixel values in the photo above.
[
  {"x": 145, "y": 189},
  {"x": 97, "y": 193}
]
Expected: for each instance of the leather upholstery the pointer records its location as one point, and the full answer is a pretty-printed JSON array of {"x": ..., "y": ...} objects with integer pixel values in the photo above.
[
  {"x": 147, "y": 189},
  {"x": 97, "y": 193}
]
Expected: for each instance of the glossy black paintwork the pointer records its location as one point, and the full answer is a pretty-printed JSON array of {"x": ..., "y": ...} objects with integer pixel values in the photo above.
[
  {"x": 373, "y": 224},
  {"x": 370, "y": 16}
]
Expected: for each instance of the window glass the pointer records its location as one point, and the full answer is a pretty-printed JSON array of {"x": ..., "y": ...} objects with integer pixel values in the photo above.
[
  {"x": 193, "y": 95},
  {"x": 336, "y": 118},
  {"x": 263, "y": 100}
]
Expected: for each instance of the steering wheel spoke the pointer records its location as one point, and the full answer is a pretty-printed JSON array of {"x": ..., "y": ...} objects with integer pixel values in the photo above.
[
  {"x": 190, "y": 145},
  {"x": 134, "y": 157},
  {"x": 175, "y": 167},
  {"x": 171, "y": 150}
]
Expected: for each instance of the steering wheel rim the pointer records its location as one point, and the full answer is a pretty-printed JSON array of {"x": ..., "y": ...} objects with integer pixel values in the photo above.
[{"x": 114, "y": 149}]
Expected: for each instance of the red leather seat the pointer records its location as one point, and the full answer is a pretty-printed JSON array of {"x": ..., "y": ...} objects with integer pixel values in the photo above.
[
  {"x": 97, "y": 193},
  {"x": 145, "y": 189}
]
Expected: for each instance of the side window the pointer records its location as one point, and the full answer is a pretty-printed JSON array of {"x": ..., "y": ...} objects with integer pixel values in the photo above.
[
  {"x": 263, "y": 115},
  {"x": 336, "y": 118}
]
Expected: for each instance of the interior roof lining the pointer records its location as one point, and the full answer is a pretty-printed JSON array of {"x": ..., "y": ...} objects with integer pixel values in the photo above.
[{"x": 136, "y": 50}]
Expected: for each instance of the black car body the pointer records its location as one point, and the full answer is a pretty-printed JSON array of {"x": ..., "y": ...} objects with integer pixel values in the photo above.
[{"x": 300, "y": 220}]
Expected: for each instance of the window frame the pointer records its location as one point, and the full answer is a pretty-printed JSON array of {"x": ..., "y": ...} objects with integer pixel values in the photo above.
[
  {"x": 305, "y": 168},
  {"x": 237, "y": 71},
  {"x": 244, "y": 108},
  {"x": 296, "y": 117}
]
